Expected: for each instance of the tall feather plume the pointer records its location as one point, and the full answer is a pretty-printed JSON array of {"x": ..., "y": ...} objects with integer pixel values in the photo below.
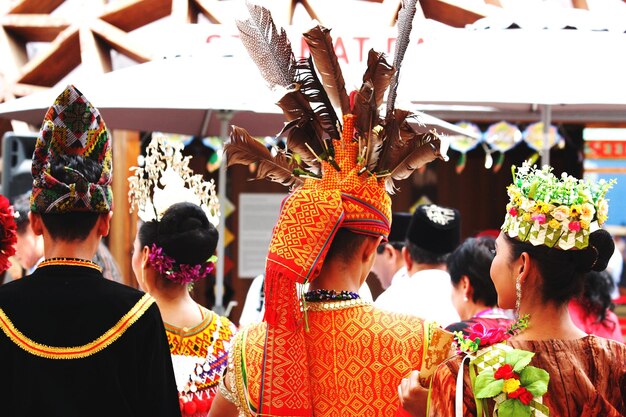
[
  {"x": 424, "y": 149},
  {"x": 365, "y": 108},
  {"x": 313, "y": 90},
  {"x": 379, "y": 72},
  {"x": 321, "y": 45},
  {"x": 405, "y": 24},
  {"x": 304, "y": 132},
  {"x": 398, "y": 138},
  {"x": 244, "y": 149},
  {"x": 268, "y": 47},
  {"x": 370, "y": 97}
]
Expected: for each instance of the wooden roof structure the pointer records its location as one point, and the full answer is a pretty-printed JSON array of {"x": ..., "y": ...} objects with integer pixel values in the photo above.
[{"x": 88, "y": 37}]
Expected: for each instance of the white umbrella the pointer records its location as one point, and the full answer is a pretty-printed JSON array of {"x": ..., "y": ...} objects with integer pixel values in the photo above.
[
  {"x": 519, "y": 75},
  {"x": 178, "y": 95}
]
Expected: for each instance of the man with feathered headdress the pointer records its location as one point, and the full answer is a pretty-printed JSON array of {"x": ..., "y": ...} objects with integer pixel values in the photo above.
[
  {"x": 73, "y": 343},
  {"x": 327, "y": 352}
]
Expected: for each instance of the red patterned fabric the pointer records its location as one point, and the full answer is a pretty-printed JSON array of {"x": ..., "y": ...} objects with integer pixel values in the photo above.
[{"x": 357, "y": 357}]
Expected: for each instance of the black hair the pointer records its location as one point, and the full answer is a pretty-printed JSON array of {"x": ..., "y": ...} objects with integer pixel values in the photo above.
[
  {"x": 344, "y": 245},
  {"x": 596, "y": 296},
  {"x": 473, "y": 259},
  {"x": 74, "y": 226},
  {"x": 563, "y": 271},
  {"x": 184, "y": 233},
  {"x": 423, "y": 256},
  {"x": 396, "y": 245},
  {"x": 21, "y": 208}
]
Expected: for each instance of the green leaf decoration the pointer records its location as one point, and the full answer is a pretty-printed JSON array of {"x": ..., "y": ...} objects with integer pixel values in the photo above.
[
  {"x": 460, "y": 163},
  {"x": 486, "y": 386},
  {"x": 535, "y": 380},
  {"x": 513, "y": 408},
  {"x": 518, "y": 359}
]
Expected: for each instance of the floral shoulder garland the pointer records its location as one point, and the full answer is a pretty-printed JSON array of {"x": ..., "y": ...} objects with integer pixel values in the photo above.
[{"x": 502, "y": 373}]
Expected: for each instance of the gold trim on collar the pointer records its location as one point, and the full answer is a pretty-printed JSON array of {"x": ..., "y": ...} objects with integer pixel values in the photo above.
[
  {"x": 70, "y": 262},
  {"x": 77, "y": 352}
]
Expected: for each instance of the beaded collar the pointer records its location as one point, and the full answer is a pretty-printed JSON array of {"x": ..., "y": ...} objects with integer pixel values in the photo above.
[
  {"x": 329, "y": 295},
  {"x": 70, "y": 262}
]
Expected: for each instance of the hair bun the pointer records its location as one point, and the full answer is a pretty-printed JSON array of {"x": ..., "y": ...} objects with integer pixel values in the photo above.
[
  {"x": 597, "y": 255},
  {"x": 186, "y": 234}
]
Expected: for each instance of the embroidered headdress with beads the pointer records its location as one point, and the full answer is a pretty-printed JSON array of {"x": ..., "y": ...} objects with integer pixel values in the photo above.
[
  {"x": 163, "y": 180},
  {"x": 72, "y": 126},
  {"x": 341, "y": 161},
  {"x": 556, "y": 212}
]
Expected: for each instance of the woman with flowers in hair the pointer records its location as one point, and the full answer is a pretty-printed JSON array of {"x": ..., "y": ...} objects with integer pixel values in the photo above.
[
  {"x": 174, "y": 249},
  {"x": 550, "y": 240}
]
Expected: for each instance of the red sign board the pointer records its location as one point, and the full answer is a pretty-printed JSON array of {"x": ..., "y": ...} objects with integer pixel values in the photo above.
[{"x": 605, "y": 149}]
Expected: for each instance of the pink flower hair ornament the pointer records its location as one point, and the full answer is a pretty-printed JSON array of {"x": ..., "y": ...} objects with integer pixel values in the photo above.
[{"x": 179, "y": 273}]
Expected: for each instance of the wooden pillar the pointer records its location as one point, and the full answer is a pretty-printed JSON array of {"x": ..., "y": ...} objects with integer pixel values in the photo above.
[{"x": 126, "y": 146}]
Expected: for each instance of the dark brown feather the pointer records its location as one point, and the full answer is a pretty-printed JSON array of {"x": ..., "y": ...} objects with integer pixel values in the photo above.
[
  {"x": 268, "y": 47},
  {"x": 303, "y": 127},
  {"x": 365, "y": 109},
  {"x": 424, "y": 150},
  {"x": 379, "y": 72},
  {"x": 321, "y": 45},
  {"x": 399, "y": 137},
  {"x": 244, "y": 149},
  {"x": 314, "y": 92}
]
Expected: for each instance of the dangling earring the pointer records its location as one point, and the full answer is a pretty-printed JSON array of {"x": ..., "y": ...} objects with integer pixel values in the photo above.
[
  {"x": 465, "y": 298},
  {"x": 518, "y": 295}
]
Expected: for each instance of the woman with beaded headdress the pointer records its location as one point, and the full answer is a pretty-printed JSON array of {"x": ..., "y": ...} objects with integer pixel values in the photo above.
[
  {"x": 174, "y": 248},
  {"x": 327, "y": 352},
  {"x": 551, "y": 238}
]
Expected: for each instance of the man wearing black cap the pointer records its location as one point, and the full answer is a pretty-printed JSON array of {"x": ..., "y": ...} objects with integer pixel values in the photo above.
[
  {"x": 433, "y": 233},
  {"x": 389, "y": 265}
]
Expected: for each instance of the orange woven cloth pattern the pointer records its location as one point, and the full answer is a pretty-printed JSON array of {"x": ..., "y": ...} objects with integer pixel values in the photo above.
[
  {"x": 311, "y": 215},
  {"x": 357, "y": 357},
  {"x": 195, "y": 341}
]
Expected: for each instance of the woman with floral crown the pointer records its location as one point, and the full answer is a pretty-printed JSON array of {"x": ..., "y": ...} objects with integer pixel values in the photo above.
[
  {"x": 174, "y": 249},
  {"x": 550, "y": 240}
]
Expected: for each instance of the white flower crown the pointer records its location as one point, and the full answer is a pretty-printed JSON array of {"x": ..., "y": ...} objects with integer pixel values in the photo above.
[{"x": 557, "y": 212}]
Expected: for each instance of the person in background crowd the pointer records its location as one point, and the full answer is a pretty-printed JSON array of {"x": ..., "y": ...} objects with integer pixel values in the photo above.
[
  {"x": 29, "y": 248},
  {"x": 174, "y": 248},
  {"x": 473, "y": 293},
  {"x": 433, "y": 233},
  {"x": 73, "y": 343},
  {"x": 592, "y": 310},
  {"x": 389, "y": 263},
  {"x": 615, "y": 269}
]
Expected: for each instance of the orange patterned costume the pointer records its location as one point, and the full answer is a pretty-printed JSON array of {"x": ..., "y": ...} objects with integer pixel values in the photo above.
[
  {"x": 199, "y": 356},
  {"x": 357, "y": 355}
]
